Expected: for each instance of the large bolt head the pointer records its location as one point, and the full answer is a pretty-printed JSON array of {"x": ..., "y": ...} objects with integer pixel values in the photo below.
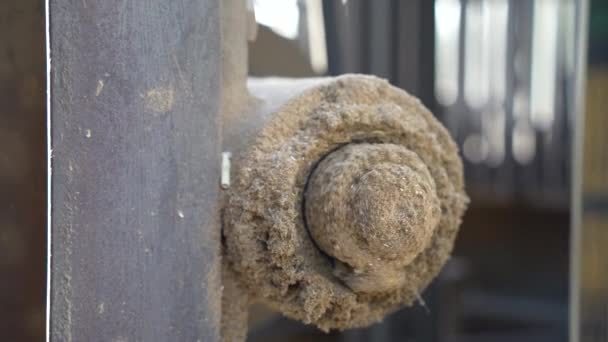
[{"x": 372, "y": 208}]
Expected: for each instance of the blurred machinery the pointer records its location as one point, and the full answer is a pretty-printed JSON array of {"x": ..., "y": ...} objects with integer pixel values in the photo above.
[{"x": 505, "y": 78}]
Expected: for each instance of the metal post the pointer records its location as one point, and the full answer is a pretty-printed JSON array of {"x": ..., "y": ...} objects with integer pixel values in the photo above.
[
  {"x": 134, "y": 157},
  {"x": 589, "y": 227}
]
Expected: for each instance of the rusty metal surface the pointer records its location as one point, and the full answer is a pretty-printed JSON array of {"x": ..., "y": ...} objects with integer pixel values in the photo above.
[
  {"x": 22, "y": 169},
  {"x": 135, "y": 91}
]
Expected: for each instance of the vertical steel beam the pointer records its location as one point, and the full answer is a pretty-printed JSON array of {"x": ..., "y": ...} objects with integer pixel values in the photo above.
[
  {"x": 589, "y": 231},
  {"x": 134, "y": 136}
]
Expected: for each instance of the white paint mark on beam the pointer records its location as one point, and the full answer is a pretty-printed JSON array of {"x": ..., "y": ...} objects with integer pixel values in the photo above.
[
  {"x": 225, "y": 180},
  {"x": 99, "y": 88}
]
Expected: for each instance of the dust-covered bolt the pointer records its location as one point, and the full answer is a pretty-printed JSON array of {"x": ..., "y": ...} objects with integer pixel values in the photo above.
[
  {"x": 372, "y": 208},
  {"x": 346, "y": 204}
]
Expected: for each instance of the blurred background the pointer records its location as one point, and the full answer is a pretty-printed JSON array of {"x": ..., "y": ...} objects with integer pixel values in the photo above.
[
  {"x": 500, "y": 75},
  {"x": 22, "y": 171}
]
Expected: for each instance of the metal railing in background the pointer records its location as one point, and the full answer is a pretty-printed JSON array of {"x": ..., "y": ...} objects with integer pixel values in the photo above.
[{"x": 499, "y": 74}]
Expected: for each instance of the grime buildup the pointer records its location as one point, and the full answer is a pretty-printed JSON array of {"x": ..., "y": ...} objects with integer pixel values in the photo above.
[{"x": 345, "y": 206}]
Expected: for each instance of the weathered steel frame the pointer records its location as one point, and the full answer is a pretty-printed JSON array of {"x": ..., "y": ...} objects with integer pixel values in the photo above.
[{"x": 134, "y": 157}]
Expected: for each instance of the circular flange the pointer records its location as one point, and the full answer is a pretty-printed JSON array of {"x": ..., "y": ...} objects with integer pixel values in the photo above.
[{"x": 392, "y": 141}]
